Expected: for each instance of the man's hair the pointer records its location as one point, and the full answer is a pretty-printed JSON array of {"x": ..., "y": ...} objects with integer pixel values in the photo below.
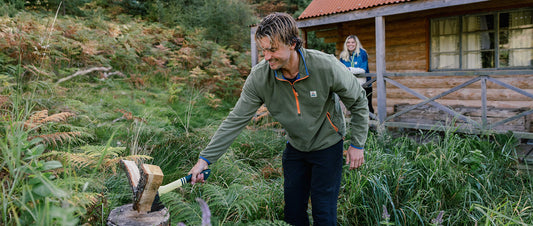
[{"x": 279, "y": 27}]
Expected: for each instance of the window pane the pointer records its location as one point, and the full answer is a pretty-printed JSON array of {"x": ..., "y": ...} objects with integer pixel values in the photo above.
[
  {"x": 516, "y": 40},
  {"x": 520, "y": 19},
  {"x": 445, "y": 61},
  {"x": 445, "y": 43},
  {"x": 447, "y": 26},
  {"x": 521, "y": 57},
  {"x": 504, "y": 58},
  {"x": 478, "y": 42},
  {"x": 508, "y": 58},
  {"x": 478, "y": 23}
]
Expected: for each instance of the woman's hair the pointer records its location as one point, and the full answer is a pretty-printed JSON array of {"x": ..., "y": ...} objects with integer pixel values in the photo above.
[
  {"x": 279, "y": 27},
  {"x": 345, "y": 55}
]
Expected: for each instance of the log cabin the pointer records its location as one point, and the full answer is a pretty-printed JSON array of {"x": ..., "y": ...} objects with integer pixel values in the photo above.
[{"x": 438, "y": 64}]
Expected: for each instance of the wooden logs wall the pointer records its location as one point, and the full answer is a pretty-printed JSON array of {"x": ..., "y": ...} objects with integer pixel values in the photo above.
[{"x": 407, "y": 50}]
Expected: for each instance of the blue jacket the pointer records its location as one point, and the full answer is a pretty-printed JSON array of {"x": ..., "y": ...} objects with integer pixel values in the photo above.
[{"x": 360, "y": 61}]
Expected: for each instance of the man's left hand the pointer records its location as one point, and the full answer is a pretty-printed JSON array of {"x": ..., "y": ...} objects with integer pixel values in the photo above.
[{"x": 355, "y": 157}]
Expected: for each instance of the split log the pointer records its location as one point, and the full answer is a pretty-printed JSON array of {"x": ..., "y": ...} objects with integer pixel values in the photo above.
[
  {"x": 144, "y": 182},
  {"x": 149, "y": 183}
]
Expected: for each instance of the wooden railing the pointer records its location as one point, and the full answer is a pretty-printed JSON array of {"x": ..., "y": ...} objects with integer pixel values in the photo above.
[{"x": 472, "y": 126}]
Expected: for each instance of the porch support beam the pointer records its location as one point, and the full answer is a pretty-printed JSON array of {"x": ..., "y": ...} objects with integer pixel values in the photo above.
[{"x": 380, "y": 68}]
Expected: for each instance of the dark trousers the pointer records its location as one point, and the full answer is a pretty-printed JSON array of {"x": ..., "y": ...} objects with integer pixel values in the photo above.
[
  {"x": 318, "y": 174},
  {"x": 369, "y": 98}
]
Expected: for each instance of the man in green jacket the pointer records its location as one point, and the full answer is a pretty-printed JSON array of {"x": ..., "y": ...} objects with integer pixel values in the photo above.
[{"x": 300, "y": 88}]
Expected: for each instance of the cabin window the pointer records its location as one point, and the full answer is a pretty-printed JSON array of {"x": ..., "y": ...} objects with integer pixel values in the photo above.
[{"x": 493, "y": 40}]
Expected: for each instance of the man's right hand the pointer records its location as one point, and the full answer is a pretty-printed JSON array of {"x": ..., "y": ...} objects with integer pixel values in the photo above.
[{"x": 196, "y": 171}]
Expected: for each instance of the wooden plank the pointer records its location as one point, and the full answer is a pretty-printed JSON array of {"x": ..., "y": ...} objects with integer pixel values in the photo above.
[
  {"x": 254, "y": 53},
  {"x": 380, "y": 68},
  {"x": 469, "y": 93},
  {"x": 496, "y": 118},
  {"x": 149, "y": 183},
  {"x": 522, "y": 82},
  {"x": 484, "y": 101},
  {"x": 436, "y": 104},
  {"x": 470, "y": 103},
  {"x": 520, "y": 135}
]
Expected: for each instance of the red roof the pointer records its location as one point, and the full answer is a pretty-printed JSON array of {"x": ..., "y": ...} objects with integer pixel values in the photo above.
[{"x": 327, "y": 7}]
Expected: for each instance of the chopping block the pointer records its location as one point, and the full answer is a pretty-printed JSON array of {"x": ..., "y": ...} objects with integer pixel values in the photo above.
[{"x": 144, "y": 182}]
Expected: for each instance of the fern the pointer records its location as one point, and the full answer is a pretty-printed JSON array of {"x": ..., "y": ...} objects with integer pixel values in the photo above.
[
  {"x": 102, "y": 157},
  {"x": 233, "y": 204},
  {"x": 180, "y": 210},
  {"x": 61, "y": 137},
  {"x": 41, "y": 117}
]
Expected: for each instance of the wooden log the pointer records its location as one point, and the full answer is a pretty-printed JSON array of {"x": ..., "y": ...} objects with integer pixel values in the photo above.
[
  {"x": 462, "y": 94},
  {"x": 469, "y": 103},
  {"x": 151, "y": 179},
  {"x": 132, "y": 172},
  {"x": 520, "y": 81},
  {"x": 126, "y": 215},
  {"x": 426, "y": 114}
]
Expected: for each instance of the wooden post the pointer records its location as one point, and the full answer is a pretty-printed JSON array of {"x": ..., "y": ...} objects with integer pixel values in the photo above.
[
  {"x": 380, "y": 69},
  {"x": 253, "y": 46}
]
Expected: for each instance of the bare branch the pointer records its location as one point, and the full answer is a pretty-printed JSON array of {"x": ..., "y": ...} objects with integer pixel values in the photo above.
[{"x": 84, "y": 72}]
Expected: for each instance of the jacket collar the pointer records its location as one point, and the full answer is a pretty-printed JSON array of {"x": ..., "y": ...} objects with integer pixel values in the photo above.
[{"x": 302, "y": 63}]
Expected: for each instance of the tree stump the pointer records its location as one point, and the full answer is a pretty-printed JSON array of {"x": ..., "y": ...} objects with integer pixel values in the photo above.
[{"x": 126, "y": 215}]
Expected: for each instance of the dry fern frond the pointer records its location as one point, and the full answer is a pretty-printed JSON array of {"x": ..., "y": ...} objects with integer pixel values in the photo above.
[
  {"x": 77, "y": 160},
  {"x": 35, "y": 118},
  {"x": 41, "y": 117},
  {"x": 262, "y": 112},
  {"x": 129, "y": 116},
  {"x": 58, "y": 117},
  {"x": 60, "y": 137},
  {"x": 3, "y": 100}
]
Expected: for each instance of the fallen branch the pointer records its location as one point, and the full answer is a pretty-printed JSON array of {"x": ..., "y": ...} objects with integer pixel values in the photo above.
[{"x": 83, "y": 73}]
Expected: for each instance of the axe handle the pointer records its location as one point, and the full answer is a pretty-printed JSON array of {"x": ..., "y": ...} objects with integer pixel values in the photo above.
[{"x": 179, "y": 182}]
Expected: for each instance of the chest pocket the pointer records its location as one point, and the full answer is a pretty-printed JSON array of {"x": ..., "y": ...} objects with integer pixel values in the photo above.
[{"x": 312, "y": 100}]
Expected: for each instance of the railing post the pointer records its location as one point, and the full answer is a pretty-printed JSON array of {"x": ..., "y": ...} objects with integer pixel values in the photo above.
[
  {"x": 380, "y": 69},
  {"x": 483, "y": 102}
]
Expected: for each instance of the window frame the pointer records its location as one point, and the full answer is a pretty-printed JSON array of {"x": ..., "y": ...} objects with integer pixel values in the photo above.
[{"x": 461, "y": 51}]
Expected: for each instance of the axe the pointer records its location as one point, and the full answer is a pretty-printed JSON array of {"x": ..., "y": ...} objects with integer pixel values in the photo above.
[{"x": 145, "y": 183}]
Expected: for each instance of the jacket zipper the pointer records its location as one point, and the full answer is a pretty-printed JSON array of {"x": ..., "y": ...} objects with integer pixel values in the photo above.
[{"x": 296, "y": 97}]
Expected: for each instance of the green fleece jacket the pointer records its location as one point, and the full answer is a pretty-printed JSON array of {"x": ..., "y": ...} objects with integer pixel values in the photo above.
[{"x": 307, "y": 109}]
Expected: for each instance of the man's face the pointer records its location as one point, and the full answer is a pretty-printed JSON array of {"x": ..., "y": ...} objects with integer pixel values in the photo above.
[
  {"x": 277, "y": 54},
  {"x": 351, "y": 44}
]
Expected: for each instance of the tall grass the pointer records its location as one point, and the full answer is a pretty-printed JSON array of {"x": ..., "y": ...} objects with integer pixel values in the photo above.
[{"x": 461, "y": 176}]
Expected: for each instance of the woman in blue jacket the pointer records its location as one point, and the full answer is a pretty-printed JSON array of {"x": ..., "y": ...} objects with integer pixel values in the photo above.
[{"x": 355, "y": 58}]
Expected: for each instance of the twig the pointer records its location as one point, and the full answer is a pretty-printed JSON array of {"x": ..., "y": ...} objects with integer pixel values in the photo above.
[{"x": 83, "y": 73}]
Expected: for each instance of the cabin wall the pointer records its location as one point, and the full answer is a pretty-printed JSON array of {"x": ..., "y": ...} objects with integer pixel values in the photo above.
[{"x": 407, "y": 50}]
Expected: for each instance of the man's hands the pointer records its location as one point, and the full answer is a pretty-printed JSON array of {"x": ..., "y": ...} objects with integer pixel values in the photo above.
[
  {"x": 196, "y": 171},
  {"x": 355, "y": 157}
]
